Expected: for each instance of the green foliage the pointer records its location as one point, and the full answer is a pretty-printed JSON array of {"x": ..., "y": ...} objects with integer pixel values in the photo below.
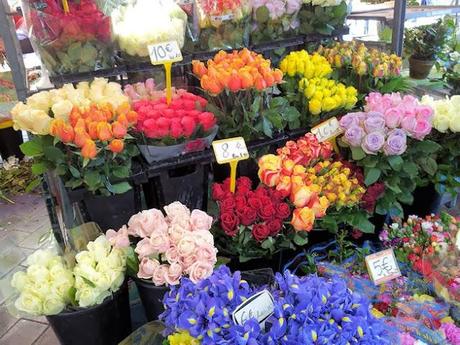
[
  {"x": 353, "y": 217},
  {"x": 102, "y": 175},
  {"x": 322, "y": 20},
  {"x": 252, "y": 114},
  {"x": 400, "y": 174}
]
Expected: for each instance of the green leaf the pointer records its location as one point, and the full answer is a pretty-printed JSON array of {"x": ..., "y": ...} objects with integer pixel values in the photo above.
[
  {"x": 33, "y": 184},
  {"x": 74, "y": 171},
  {"x": 275, "y": 119},
  {"x": 92, "y": 179},
  {"x": 262, "y": 14},
  {"x": 410, "y": 168},
  {"x": 53, "y": 153},
  {"x": 357, "y": 153},
  {"x": 132, "y": 262},
  {"x": 121, "y": 171},
  {"x": 406, "y": 198},
  {"x": 122, "y": 187},
  {"x": 267, "y": 127},
  {"x": 32, "y": 148},
  {"x": 361, "y": 221},
  {"x": 268, "y": 243},
  {"x": 396, "y": 162},
  {"x": 39, "y": 168},
  {"x": 221, "y": 260},
  {"x": 371, "y": 176},
  {"x": 429, "y": 165},
  {"x": 428, "y": 146},
  {"x": 300, "y": 240}
]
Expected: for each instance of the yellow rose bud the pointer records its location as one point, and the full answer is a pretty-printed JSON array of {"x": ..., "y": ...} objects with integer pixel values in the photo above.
[
  {"x": 314, "y": 106},
  {"x": 329, "y": 104}
]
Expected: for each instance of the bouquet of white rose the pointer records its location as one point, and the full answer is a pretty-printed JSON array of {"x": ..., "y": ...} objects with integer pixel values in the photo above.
[{"x": 49, "y": 285}]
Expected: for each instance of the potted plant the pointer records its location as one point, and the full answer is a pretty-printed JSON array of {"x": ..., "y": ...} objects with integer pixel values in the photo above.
[
  {"x": 81, "y": 134},
  {"x": 168, "y": 248},
  {"x": 423, "y": 44},
  {"x": 86, "y": 302}
]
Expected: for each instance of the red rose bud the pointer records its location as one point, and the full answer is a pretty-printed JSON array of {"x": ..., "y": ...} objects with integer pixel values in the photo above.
[
  {"x": 248, "y": 216},
  {"x": 267, "y": 212},
  {"x": 229, "y": 223},
  {"x": 260, "y": 232},
  {"x": 218, "y": 192},
  {"x": 207, "y": 120},
  {"x": 274, "y": 226},
  {"x": 283, "y": 211},
  {"x": 176, "y": 130},
  {"x": 228, "y": 204}
]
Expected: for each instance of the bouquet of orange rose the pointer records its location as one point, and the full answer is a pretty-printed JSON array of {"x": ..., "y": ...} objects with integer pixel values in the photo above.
[
  {"x": 240, "y": 88},
  {"x": 83, "y": 135},
  {"x": 325, "y": 192}
]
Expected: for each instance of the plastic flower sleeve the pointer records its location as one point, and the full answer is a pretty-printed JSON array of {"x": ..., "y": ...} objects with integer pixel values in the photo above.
[
  {"x": 223, "y": 24},
  {"x": 441, "y": 267},
  {"x": 141, "y": 23},
  {"x": 192, "y": 27},
  {"x": 274, "y": 19},
  {"x": 78, "y": 41}
]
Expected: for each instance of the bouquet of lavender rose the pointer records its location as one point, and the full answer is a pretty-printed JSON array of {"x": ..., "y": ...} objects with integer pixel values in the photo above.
[{"x": 388, "y": 142}]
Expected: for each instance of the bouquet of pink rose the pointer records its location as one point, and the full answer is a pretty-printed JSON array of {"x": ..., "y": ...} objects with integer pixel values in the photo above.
[
  {"x": 171, "y": 246},
  {"x": 388, "y": 142}
]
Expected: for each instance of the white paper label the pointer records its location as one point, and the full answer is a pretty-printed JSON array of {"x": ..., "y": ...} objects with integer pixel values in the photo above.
[
  {"x": 184, "y": 2},
  {"x": 327, "y": 130},
  {"x": 164, "y": 52},
  {"x": 382, "y": 266},
  {"x": 222, "y": 18},
  {"x": 227, "y": 150},
  {"x": 260, "y": 306}
]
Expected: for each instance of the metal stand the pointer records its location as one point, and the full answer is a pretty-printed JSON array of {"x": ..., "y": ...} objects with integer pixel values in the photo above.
[{"x": 397, "y": 40}]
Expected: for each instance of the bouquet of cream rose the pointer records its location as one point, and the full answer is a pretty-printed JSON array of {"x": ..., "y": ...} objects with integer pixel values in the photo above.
[
  {"x": 172, "y": 246},
  {"x": 446, "y": 122},
  {"x": 50, "y": 285}
]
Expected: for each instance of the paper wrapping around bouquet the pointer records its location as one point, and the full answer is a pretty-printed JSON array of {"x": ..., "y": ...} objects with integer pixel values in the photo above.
[{"x": 154, "y": 153}]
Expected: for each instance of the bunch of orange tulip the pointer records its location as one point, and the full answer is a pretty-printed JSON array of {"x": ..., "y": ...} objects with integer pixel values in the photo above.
[
  {"x": 95, "y": 128},
  {"x": 236, "y": 71}
]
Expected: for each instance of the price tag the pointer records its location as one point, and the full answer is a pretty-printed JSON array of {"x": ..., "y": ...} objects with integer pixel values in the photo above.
[
  {"x": 327, "y": 130},
  {"x": 232, "y": 149},
  {"x": 165, "y": 52},
  {"x": 260, "y": 306},
  {"x": 184, "y": 2},
  {"x": 382, "y": 266},
  {"x": 222, "y": 18}
]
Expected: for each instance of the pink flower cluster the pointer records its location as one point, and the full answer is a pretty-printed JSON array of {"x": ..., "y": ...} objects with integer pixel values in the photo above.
[
  {"x": 402, "y": 112},
  {"x": 388, "y": 121},
  {"x": 171, "y": 246}
]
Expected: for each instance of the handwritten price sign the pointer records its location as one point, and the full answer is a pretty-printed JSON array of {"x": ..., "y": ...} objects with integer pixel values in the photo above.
[
  {"x": 327, "y": 130},
  {"x": 382, "y": 266},
  {"x": 232, "y": 149},
  {"x": 165, "y": 52},
  {"x": 259, "y": 306}
]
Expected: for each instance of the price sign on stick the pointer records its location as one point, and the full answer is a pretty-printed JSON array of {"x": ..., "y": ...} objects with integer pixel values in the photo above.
[
  {"x": 161, "y": 53},
  {"x": 327, "y": 130},
  {"x": 165, "y": 54},
  {"x": 230, "y": 151},
  {"x": 382, "y": 266}
]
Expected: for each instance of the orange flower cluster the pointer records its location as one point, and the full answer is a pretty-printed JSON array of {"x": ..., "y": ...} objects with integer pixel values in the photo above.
[
  {"x": 94, "y": 128},
  {"x": 236, "y": 71}
]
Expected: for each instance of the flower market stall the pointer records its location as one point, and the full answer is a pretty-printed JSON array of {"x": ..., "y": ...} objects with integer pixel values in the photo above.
[{"x": 226, "y": 172}]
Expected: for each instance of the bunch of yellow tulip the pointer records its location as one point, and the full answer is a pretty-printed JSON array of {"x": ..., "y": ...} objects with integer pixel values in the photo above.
[
  {"x": 324, "y": 95},
  {"x": 302, "y": 64}
]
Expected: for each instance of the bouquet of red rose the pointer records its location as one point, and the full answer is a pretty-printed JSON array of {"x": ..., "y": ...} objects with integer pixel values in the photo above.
[
  {"x": 181, "y": 126},
  {"x": 252, "y": 220},
  {"x": 76, "y": 40}
]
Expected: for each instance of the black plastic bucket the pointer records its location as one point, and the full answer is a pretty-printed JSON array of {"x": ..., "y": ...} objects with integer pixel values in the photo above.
[
  {"x": 110, "y": 212},
  {"x": 9, "y": 143},
  {"x": 105, "y": 324},
  {"x": 426, "y": 201},
  {"x": 151, "y": 297}
]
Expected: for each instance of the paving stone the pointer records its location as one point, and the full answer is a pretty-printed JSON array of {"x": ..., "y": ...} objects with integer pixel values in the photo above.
[
  {"x": 24, "y": 332},
  {"x": 37, "y": 239},
  {"x": 15, "y": 236},
  {"x": 6, "y": 320},
  {"x": 47, "y": 338},
  {"x": 6, "y": 291},
  {"x": 10, "y": 258}
]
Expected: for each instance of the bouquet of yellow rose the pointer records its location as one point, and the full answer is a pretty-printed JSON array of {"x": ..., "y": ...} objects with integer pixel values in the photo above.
[
  {"x": 309, "y": 87},
  {"x": 368, "y": 69},
  {"x": 319, "y": 187}
]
